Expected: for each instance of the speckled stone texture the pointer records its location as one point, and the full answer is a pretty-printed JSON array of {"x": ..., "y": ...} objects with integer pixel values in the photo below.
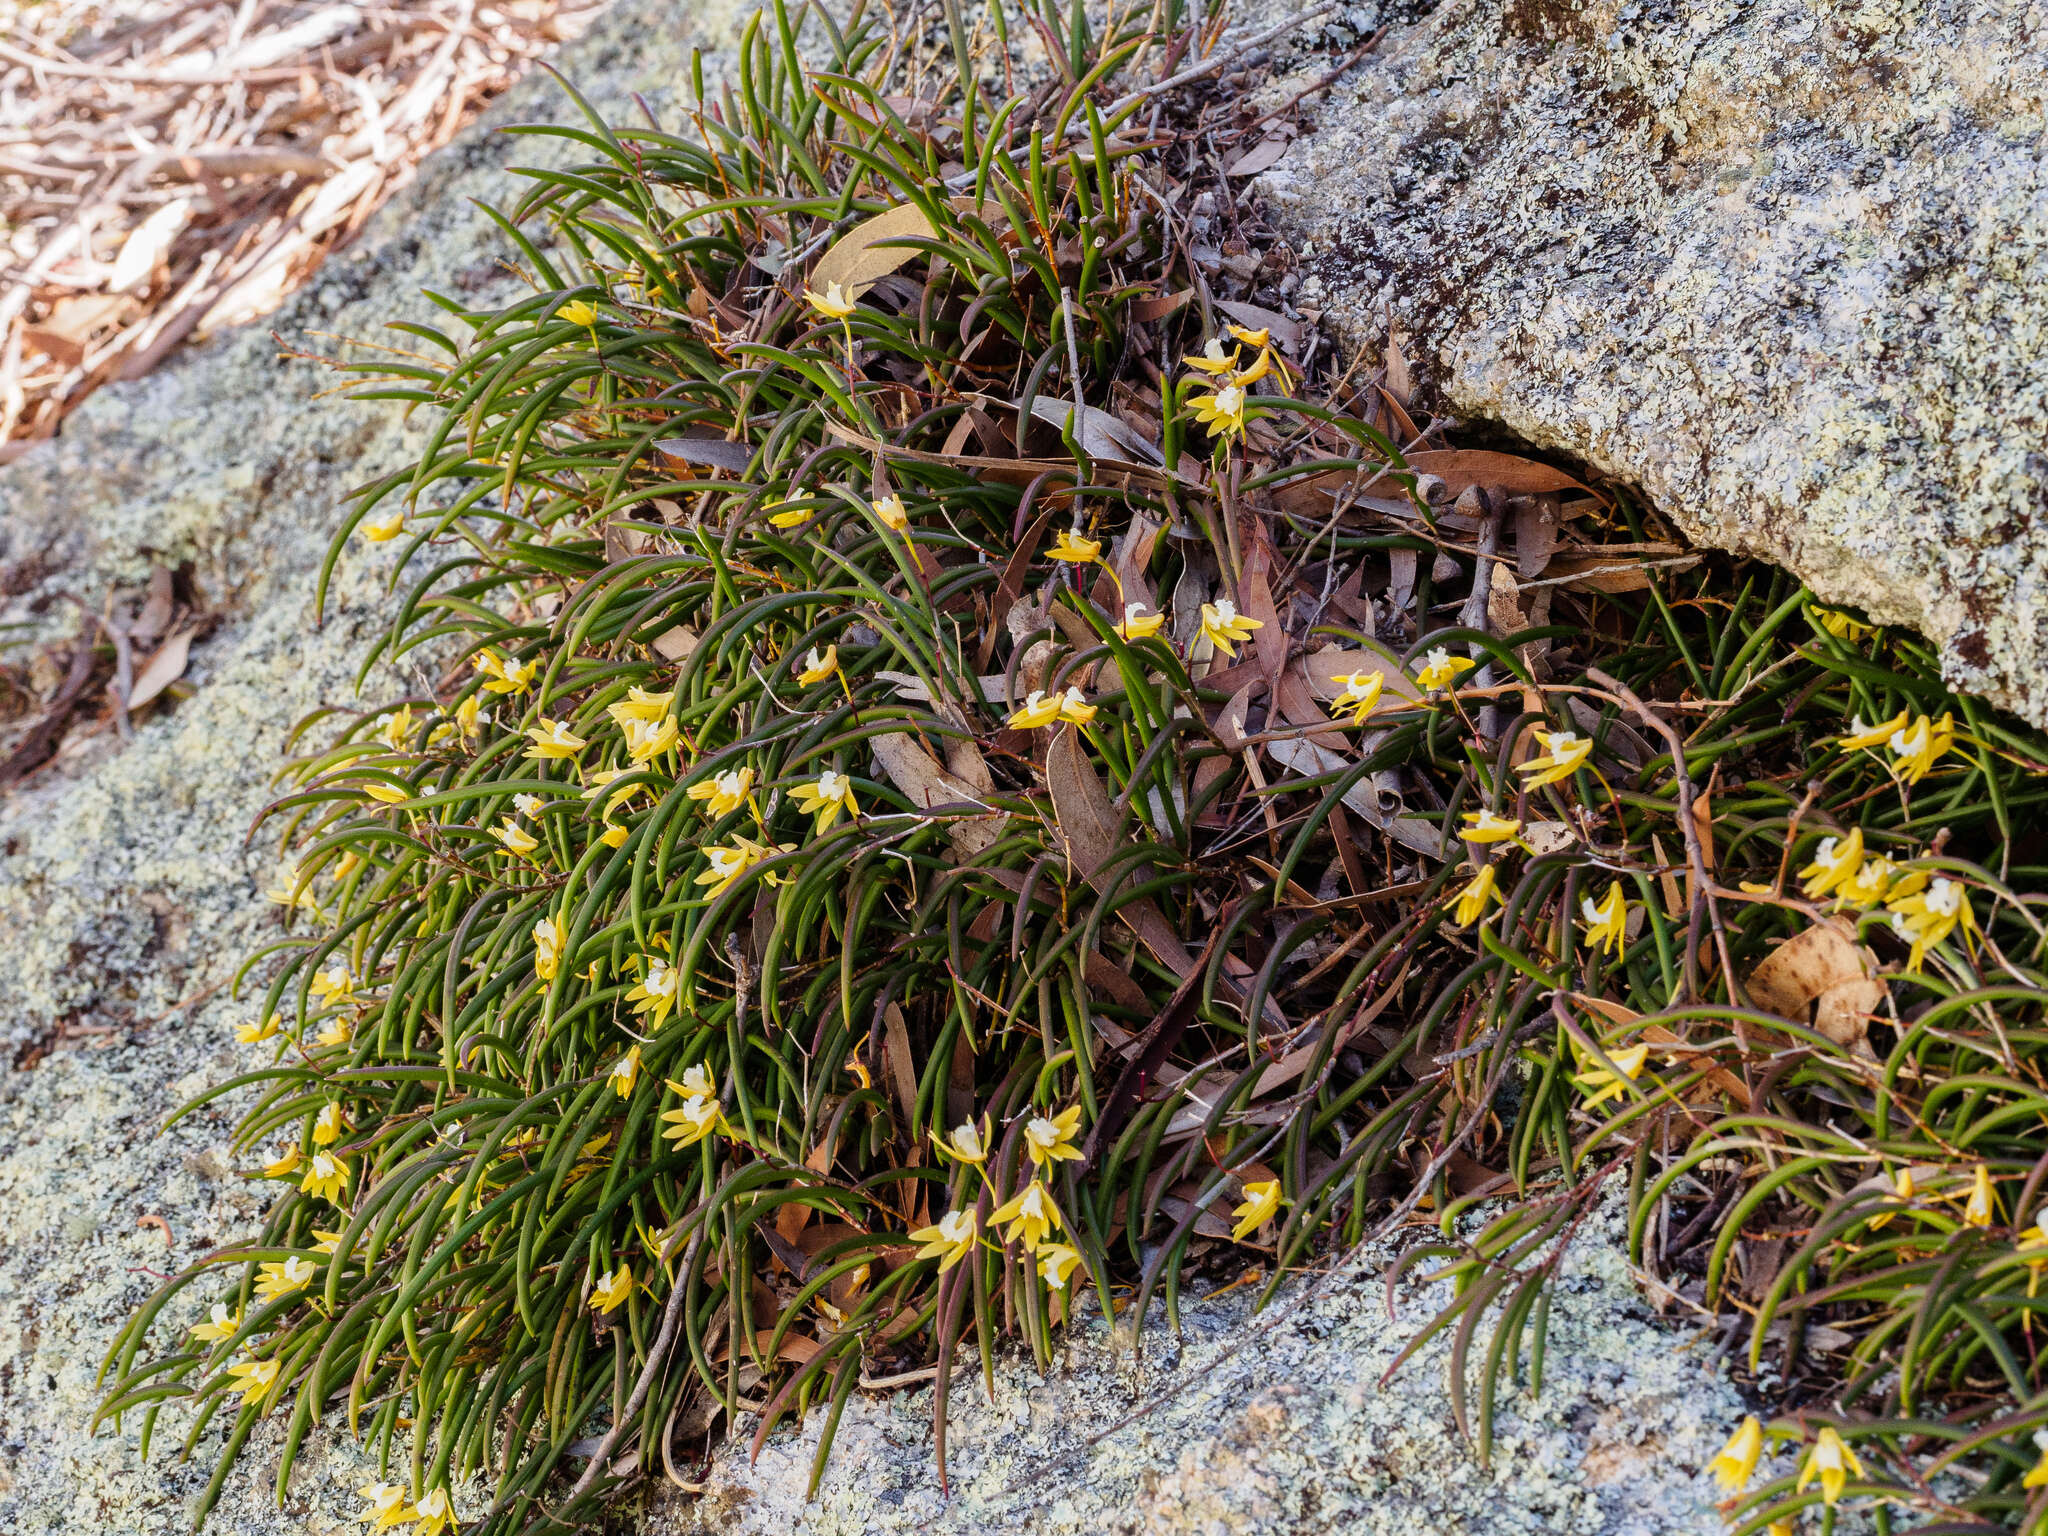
[
  {"x": 1781, "y": 265},
  {"x": 127, "y": 897}
]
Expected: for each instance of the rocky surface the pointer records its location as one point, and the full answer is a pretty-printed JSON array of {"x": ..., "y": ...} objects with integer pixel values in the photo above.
[
  {"x": 127, "y": 898},
  {"x": 1780, "y": 265}
]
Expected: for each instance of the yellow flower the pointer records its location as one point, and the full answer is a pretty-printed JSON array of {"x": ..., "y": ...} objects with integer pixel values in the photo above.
[
  {"x": 1225, "y": 627},
  {"x": 1606, "y": 924},
  {"x": 252, "y": 1034},
  {"x": 724, "y": 792},
  {"x": 1603, "y": 1084},
  {"x": 1361, "y": 694},
  {"x": 388, "y": 1506},
  {"x": 336, "y": 1031},
  {"x": 656, "y": 993},
  {"x": 825, "y": 799},
  {"x": 553, "y": 740},
  {"x": 1832, "y": 1461},
  {"x": 2038, "y": 1476},
  {"x": 517, "y": 839},
  {"x": 1260, "y": 338},
  {"x": 287, "y": 892},
  {"x": 436, "y": 1514},
  {"x": 1029, "y": 1215},
  {"x": 1902, "y": 1194},
  {"x": 1261, "y": 1200},
  {"x": 387, "y": 794},
  {"x": 1222, "y": 413},
  {"x": 648, "y": 739},
  {"x": 1472, "y": 900},
  {"x": 1839, "y": 624},
  {"x": 397, "y": 728},
  {"x": 501, "y": 676},
  {"x": 1075, "y": 709},
  {"x": 889, "y": 510},
  {"x": 328, "y": 1125},
  {"x": 612, "y": 1288},
  {"x": 284, "y": 1166},
  {"x": 818, "y": 665},
  {"x": 625, "y": 1072},
  {"x": 549, "y": 934},
  {"x": 1920, "y": 744},
  {"x": 1050, "y": 1139},
  {"x": 728, "y": 864},
  {"x": 1072, "y": 548},
  {"x": 1868, "y": 886},
  {"x": 1485, "y": 827},
  {"x": 1214, "y": 360},
  {"x": 333, "y": 986},
  {"x": 1737, "y": 1460},
  {"x": 1056, "y": 1261},
  {"x": 694, "y": 1119},
  {"x": 1862, "y": 737},
  {"x": 326, "y": 1177},
  {"x": 253, "y": 1378},
  {"x": 281, "y": 1279},
  {"x": 1926, "y": 917},
  {"x": 1834, "y": 865},
  {"x": 790, "y": 517},
  {"x": 640, "y": 704},
  {"x": 832, "y": 303},
  {"x": 613, "y": 835},
  {"x": 469, "y": 713},
  {"x": 1036, "y": 710},
  {"x": 1440, "y": 669},
  {"x": 221, "y": 1324},
  {"x": 949, "y": 1241},
  {"x": 326, "y": 1242},
  {"x": 1981, "y": 1209},
  {"x": 697, "y": 1083},
  {"x": 1563, "y": 752},
  {"x": 968, "y": 1142},
  {"x": 382, "y": 527},
  {"x": 1137, "y": 625}
]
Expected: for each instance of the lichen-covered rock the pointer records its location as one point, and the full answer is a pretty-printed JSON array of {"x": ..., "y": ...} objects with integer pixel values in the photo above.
[{"x": 1779, "y": 265}]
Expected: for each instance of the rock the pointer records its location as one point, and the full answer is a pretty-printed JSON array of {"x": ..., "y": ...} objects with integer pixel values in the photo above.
[
  {"x": 128, "y": 898},
  {"x": 1778, "y": 265}
]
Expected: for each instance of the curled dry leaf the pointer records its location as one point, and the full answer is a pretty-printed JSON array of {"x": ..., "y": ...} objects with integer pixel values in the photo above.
[
  {"x": 162, "y": 669},
  {"x": 1824, "y": 963},
  {"x": 864, "y": 255},
  {"x": 911, "y": 767}
]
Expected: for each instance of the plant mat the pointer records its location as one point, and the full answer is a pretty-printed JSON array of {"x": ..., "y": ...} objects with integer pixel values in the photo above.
[
  {"x": 168, "y": 169},
  {"x": 939, "y": 761}
]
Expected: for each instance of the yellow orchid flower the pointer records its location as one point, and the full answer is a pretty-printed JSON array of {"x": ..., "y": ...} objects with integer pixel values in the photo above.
[
  {"x": 625, "y": 1072},
  {"x": 396, "y": 730},
  {"x": 2037, "y": 1476},
  {"x": 1736, "y": 1462},
  {"x": 611, "y": 1289},
  {"x": 641, "y": 704},
  {"x": 1261, "y": 1201},
  {"x": 1981, "y": 1209},
  {"x": 1834, "y": 865},
  {"x": 386, "y": 794},
  {"x": 387, "y": 1506},
  {"x": 724, "y": 792},
  {"x": 382, "y": 527},
  {"x": 832, "y": 303},
  {"x": 284, "y": 1277},
  {"x": 1069, "y": 546},
  {"x": 501, "y": 676},
  {"x": 1870, "y": 884},
  {"x": 469, "y": 715},
  {"x": 1831, "y": 1461},
  {"x": 694, "y": 1119},
  {"x": 1222, "y": 412},
  {"x": 1029, "y": 1216},
  {"x": 790, "y": 517},
  {"x": 1036, "y": 710},
  {"x": 967, "y": 1142},
  {"x": 287, "y": 891},
  {"x": 890, "y": 513},
  {"x": 328, "y": 1125},
  {"x": 1440, "y": 669},
  {"x": 613, "y": 835},
  {"x": 549, "y": 934},
  {"x": 326, "y": 1177},
  {"x": 648, "y": 739},
  {"x": 284, "y": 1165},
  {"x": 1563, "y": 752},
  {"x": 333, "y": 986},
  {"x": 949, "y": 1240},
  {"x": 576, "y": 312},
  {"x": 1056, "y": 1261},
  {"x": 1606, "y": 924},
  {"x": 1483, "y": 826},
  {"x": 1262, "y": 337},
  {"x": 728, "y": 864},
  {"x": 1225, "y": 627},
  {"x": 1361, "y": 695},
  {"x": 656, "y": 992},
  {"x": 1863, "y": 737},
  {"x": 220, "y": 1324},
  {"x": 1926, "y": 916},
  {"x": 1137, "y": 624},
  {"x": 818, "y": 665},
  {"x": 1605, "y": 1085},
  {"x": 1049, "y": 1139},
  {"x": 253, "y": 1378},
  {"x": 327, "y": 1242},
  {"x": 1213, "y": 359},
  {"x": 436, "y": 1514},
  {"x": 336, "y": 1031},
  {"x": 1837, "y": 623},
  {"x": 1919, "y": 745},
  {"x": 1472, "y": 900},
  {"x": 517, "y": 839},
  {"x": 255, "y": 1034},
  {"x": 552, "y": 741},
  {"x": 831, "y": 794},
  {"x": 1902, "y": 1194}
]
